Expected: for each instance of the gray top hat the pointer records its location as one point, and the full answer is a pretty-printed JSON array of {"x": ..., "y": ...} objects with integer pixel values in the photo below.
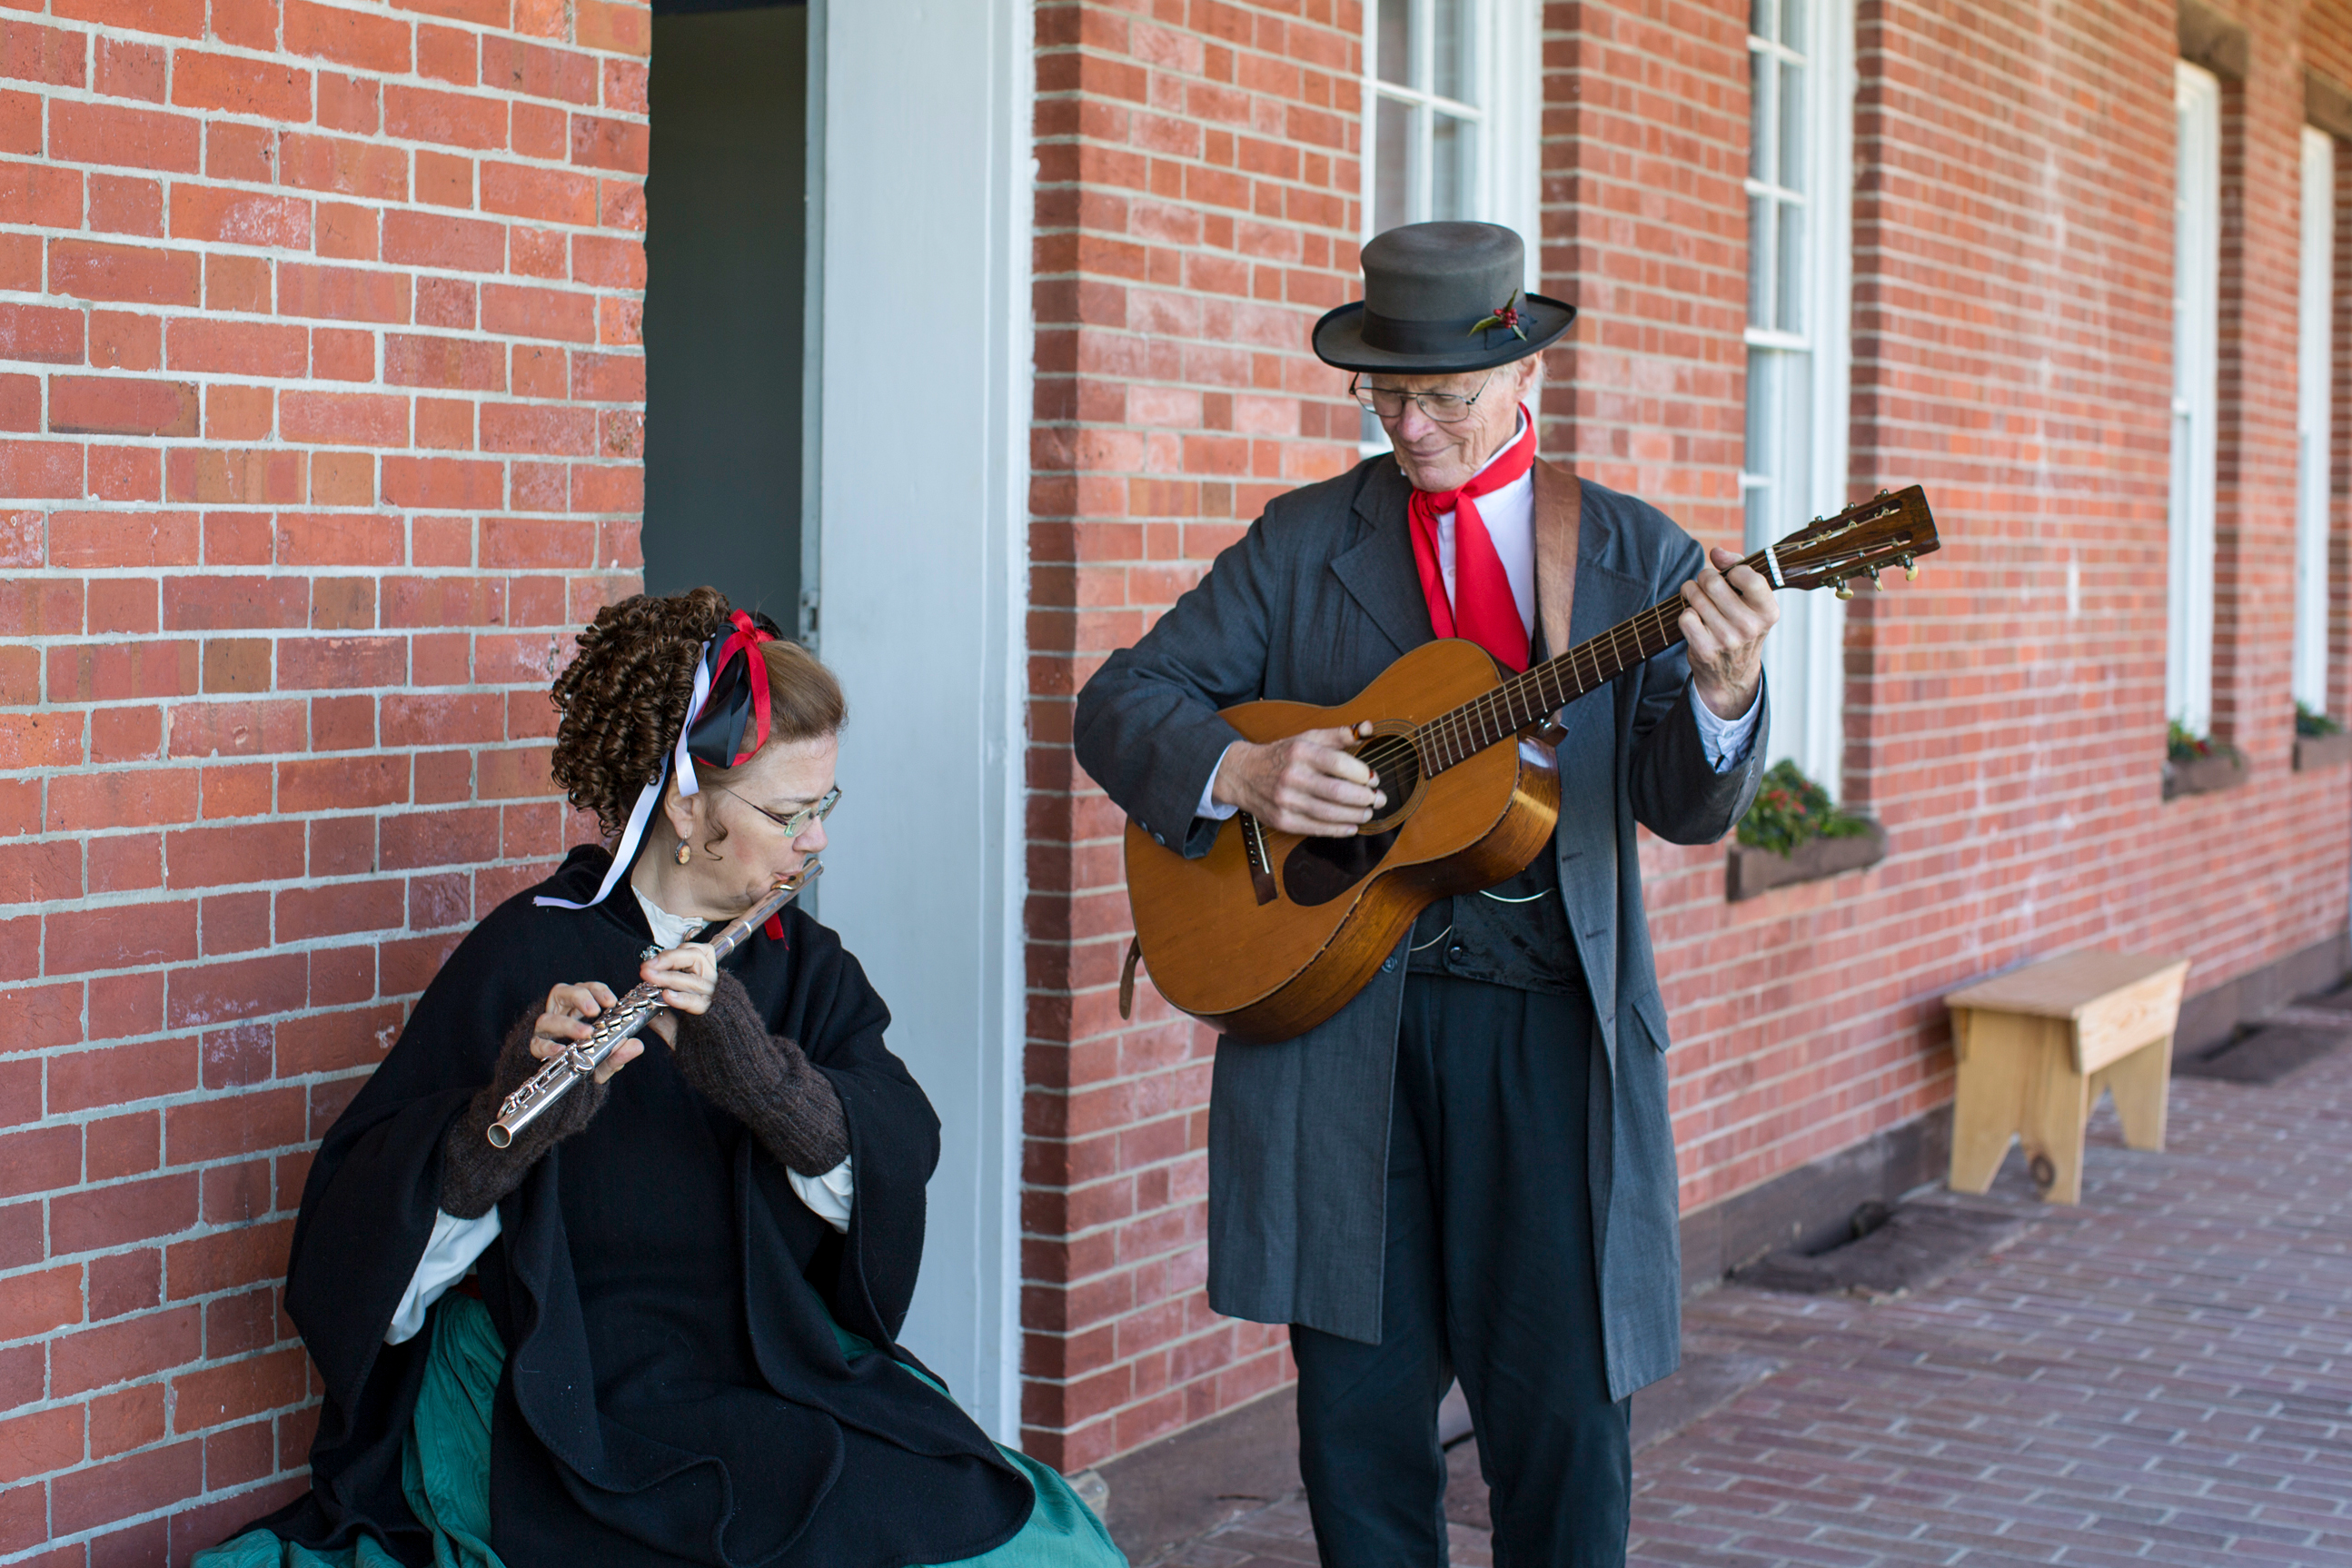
[{"x": 1441, "y": 298}]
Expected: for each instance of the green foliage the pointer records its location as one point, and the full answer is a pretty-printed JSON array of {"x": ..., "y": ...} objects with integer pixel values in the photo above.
[
  {"x": 2307, "y": 722},
  {"x": 2182, "y": 744},
  {"x": 1792, "y": 810}
]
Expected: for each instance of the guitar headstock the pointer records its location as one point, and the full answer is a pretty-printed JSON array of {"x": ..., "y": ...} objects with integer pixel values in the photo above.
[{"x": 1888, "y": 530}]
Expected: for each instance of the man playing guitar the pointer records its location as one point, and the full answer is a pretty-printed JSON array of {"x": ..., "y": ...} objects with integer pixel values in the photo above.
[{"x": 1468, "y": 1170}]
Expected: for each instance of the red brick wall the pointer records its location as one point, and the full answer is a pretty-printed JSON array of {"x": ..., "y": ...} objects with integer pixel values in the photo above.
[
  {"x": 2011, "y": 350},
  {"x": 323, "y": 399},
  {"x": 1196, "y": 212}
]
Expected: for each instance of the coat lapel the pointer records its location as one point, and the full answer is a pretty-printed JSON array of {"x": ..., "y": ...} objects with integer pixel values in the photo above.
[{"x": 1379, "y": 572}]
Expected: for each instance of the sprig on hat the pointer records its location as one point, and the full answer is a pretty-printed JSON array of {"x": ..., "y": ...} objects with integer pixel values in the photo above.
[{"x": 1507, "y": 314}]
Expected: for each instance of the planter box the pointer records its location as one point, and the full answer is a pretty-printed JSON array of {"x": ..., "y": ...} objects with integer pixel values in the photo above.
[
  {"x": 2203, "y": 776},
  {"x": 2322, "y": 751},
  {"x": 1748, "y": 871}
]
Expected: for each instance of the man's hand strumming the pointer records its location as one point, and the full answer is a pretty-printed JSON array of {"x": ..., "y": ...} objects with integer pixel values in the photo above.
[{"x": 1307, "y": 784}]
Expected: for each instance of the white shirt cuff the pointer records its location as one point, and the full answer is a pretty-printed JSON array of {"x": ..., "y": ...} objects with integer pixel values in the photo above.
[
  {"x": 1726, "y": 741},
  {"x": 451, "y": 1250},
  {"x": 829, "y": 1196},
  {"x": 1208, "y": 808}
]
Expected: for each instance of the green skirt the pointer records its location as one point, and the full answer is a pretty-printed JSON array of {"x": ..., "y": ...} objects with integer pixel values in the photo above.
[{"x": 445, "y": 1471}]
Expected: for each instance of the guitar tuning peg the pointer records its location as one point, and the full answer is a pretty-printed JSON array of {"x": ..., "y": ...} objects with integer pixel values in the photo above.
[
  {"x": 1876, "y": 585},
  {"x": 1844, "y": 589},
  {"x": 1910, "y": 568}
]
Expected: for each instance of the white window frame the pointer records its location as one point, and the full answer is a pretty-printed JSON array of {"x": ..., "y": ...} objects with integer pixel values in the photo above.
[
  {"x": 2196, "y": 401},
  {"x": 2314, "y": 411},
  {"x": 1506, "y": 37},
  {"x": 1804, "y": 659}
]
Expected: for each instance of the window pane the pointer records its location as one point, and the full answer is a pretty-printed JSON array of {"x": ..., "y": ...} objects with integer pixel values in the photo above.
[
  {"x": 1791, "y": 270},
  {"x": 1759, "y": 17},
  {"x": 1392, "y": 161},
  {"x": 1394, "y": 38},
  {"x": 1792, "y": 126},
  {"x": 1761, "y": 254},
  {"x": 1779, "y": 443},
  {"x": 1763, "y": 92},
  {"x": 1793, "y": 24},
  {"x": 1450, "y": 48},
  {"x": 1453, "y": 167}
]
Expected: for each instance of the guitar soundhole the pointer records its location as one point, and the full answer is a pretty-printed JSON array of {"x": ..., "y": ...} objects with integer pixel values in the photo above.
[{"x": 1320, "y": 869}]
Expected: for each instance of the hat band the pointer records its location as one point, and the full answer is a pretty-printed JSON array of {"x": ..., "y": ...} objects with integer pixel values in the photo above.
[{"x": 1391, "y": 335}]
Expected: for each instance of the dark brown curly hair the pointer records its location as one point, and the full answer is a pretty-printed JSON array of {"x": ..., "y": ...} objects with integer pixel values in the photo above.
[{"x": 620, "y": 703}]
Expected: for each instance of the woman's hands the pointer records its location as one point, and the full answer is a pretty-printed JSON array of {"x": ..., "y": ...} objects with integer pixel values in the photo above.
[
  {"x": 565, "y": 1023},
  {"x": 687, "y": 975}
]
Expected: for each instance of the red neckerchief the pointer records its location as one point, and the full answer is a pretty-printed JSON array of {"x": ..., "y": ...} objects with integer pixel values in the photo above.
[{"x": 1483, "y": 608}]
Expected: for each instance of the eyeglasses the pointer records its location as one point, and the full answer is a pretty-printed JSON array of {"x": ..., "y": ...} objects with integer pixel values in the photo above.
[
  {"x": 798, "y": 822},
  {"x": 1443, "y": 408}
]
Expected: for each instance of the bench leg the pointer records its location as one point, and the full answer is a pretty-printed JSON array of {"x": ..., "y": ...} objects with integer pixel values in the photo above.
[
  {"x": 2139, "y": 1083},
  {"x": 2057, "y": 1103},
  {"x": 1989, "y": 1099}
]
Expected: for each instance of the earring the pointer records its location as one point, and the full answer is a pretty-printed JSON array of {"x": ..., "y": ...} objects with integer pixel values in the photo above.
[{"x": 684, "y": 853}]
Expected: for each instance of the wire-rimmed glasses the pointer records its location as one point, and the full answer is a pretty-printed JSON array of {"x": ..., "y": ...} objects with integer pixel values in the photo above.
[
  {"x": 798, "y": 822},
  {"x": 1440, "y": 407}
]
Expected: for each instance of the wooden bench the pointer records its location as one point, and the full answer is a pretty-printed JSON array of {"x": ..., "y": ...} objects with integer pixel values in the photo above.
[{"x": 2036, "y": 1046}]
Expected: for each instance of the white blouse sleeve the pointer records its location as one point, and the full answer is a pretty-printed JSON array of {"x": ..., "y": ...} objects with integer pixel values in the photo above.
[
  {"x": 454, "y": 1244},
  {"x": 828, "y": 1197}
]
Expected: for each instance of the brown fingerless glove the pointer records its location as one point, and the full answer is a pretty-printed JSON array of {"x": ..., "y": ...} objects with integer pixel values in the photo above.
[
  {"x": 475, "y": 1176},
  {"x": 763, "y": 1081}
]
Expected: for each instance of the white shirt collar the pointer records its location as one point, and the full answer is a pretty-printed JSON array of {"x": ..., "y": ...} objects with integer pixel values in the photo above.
[{"x": 668, "y": 930}]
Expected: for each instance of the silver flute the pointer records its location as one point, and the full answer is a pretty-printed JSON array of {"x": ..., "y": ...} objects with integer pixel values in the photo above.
[{"x": 624, "y": 1018}]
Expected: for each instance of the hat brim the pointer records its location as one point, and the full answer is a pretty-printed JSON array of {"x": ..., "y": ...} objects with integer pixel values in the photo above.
[{"x": 1339, "y": 341}]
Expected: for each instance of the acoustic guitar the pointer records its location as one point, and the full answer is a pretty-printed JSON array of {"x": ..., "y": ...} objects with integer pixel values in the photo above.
[{"x": 1271, "y": 933}]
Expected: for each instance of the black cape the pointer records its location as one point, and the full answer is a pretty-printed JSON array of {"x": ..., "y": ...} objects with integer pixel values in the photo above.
[{"x": 672, "y": 1391}]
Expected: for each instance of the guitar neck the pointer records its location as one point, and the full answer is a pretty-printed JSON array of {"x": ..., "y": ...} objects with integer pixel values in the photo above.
[{"x": 1526, "y": 698}]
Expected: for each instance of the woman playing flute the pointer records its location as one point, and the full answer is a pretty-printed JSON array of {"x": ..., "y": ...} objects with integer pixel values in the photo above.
[{"x": 693, "y": 1265}]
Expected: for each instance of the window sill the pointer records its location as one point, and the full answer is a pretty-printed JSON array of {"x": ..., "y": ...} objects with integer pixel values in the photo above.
[
  {"x": 2206, "y": 775},
  {"x": 2314, "y": 751},
  {"x": 1749, "y": 872}
]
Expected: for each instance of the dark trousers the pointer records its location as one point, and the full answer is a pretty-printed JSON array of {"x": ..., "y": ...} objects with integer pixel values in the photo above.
[{"x": 1490, "y": 1277}]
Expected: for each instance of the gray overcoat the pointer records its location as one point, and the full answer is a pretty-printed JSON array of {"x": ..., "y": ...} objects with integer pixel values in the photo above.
[{"x": 1315, "y": 600}]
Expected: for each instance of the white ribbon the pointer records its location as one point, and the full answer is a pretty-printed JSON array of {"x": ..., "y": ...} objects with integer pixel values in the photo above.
[
  {"x": 686, "y": 780},
  {"x": 640, "y": 813}
]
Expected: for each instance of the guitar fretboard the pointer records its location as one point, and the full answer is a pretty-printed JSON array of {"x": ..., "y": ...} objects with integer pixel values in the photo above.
[{"x": 1454, "y": 738}]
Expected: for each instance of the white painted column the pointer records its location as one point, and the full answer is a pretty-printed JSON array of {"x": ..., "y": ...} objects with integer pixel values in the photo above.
[
  {"x": 922, "y": 443},
  {"x": 2314, "y": 421}
]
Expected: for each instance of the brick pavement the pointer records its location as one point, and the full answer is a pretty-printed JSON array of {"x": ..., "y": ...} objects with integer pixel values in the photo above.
[{"x": 2162, "y": 1376}]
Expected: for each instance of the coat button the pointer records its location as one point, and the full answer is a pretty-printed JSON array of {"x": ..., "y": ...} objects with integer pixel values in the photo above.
[
  {"x": 1387, "y": 964},
  {"x": 1160, "y": 839},
  {"x": 1456, "y": 954}
]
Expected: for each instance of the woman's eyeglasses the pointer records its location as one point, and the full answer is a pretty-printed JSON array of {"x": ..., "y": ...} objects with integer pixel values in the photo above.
[{"x": 798, "y": 822}]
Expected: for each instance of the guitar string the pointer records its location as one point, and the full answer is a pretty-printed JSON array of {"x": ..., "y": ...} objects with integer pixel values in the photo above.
[
  {"x": 1465, "y": 731},
  {"x": 1454, "y": 737}
]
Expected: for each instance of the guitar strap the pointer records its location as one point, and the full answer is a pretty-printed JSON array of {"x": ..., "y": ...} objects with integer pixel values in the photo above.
[{"x": 1559, "y": 512}]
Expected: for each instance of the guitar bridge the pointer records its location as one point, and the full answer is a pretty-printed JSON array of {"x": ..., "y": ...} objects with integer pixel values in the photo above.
[{"x": 1261, "y": 864}]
